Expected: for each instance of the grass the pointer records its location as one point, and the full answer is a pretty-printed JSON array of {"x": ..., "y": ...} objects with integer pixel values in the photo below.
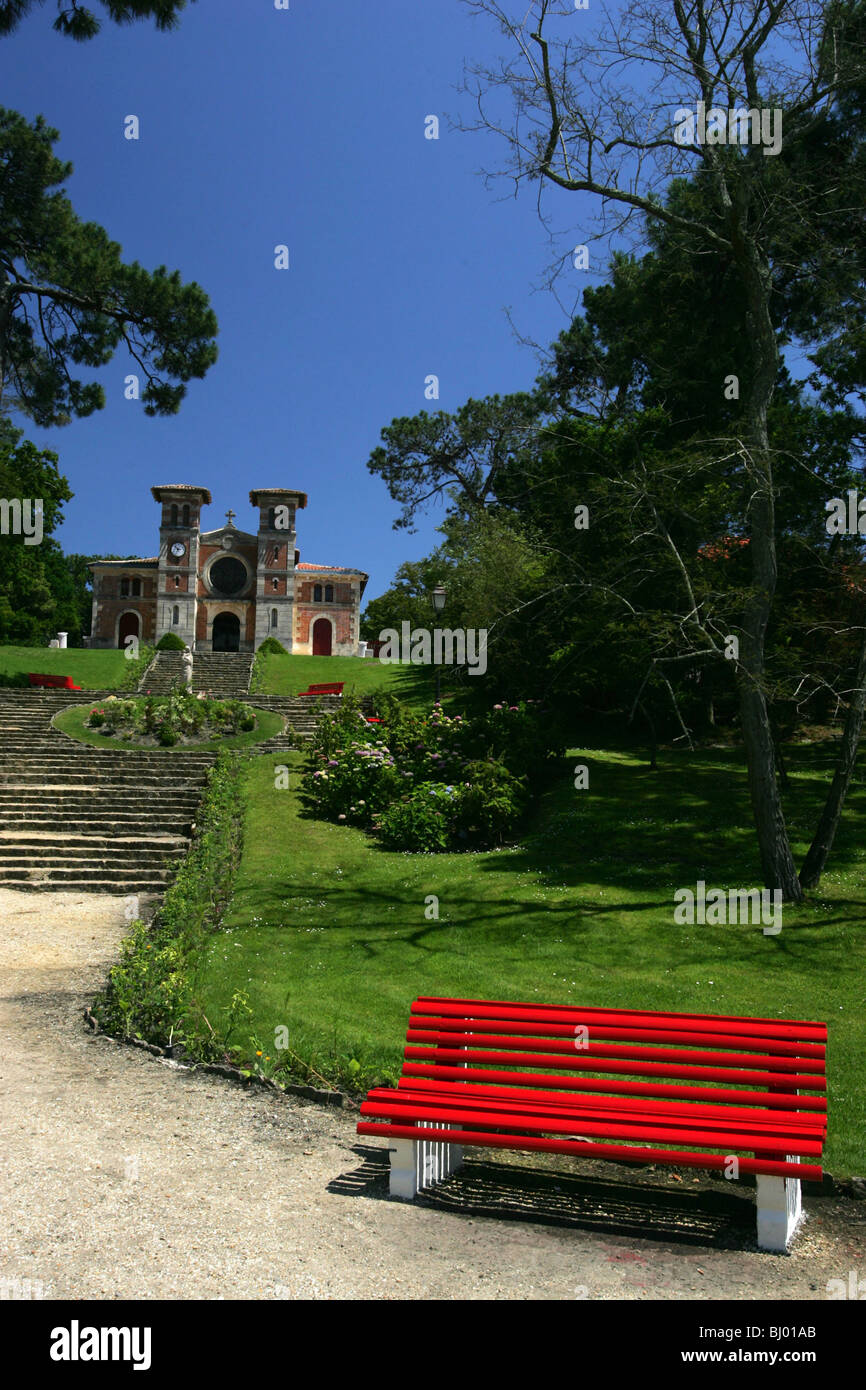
[
  {"x": 73, "y": 722},
  {"x": 92, "y": 670},
  {"x": 332, "y": 937},
  {"x": 288, "y": 675}
]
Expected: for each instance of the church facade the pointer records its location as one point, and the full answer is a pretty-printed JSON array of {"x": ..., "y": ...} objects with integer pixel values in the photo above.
[{"x": 228, "y": 590}]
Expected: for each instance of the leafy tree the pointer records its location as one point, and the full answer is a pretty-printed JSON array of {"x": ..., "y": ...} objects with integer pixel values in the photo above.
[
  {"x": 459, "y": 456},
  {"x": 80, "y": 23},
  {"x": 36, "y": 596},
  {"x": 68, "y": 300}
]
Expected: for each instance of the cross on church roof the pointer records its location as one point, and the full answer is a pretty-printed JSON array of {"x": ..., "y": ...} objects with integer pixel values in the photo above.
[{"x": 230, "y": 517}]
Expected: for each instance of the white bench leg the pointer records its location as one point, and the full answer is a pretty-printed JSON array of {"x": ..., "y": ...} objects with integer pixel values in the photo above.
[
  {"x": 780, "y": 1208},
  {"x": 421, "y": 1163}
]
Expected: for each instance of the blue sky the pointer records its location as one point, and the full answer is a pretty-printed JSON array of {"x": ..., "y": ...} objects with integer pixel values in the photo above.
[{"x": 304, "y": 127}]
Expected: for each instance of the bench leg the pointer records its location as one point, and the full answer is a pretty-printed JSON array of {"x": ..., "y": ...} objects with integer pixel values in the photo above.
[
  {"x": 416, "y": 1164},
  {"x": 780, "y": 1208}
]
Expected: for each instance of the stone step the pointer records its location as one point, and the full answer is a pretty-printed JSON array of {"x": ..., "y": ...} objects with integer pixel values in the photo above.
[
  {"x": 172, "y": 825},
  {"x": 118, "y": 855},
  {"x": 96, "y": 876},
  {"x": 29, "y": 839},
  {"x": 138, "y": 885}
]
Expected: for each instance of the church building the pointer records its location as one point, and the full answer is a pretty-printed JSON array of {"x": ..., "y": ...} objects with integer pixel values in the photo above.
[{"x": 228, "y": 590}]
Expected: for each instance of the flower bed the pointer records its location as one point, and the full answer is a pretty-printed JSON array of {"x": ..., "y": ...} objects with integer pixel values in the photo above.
[{"x": 166, "y": 720}]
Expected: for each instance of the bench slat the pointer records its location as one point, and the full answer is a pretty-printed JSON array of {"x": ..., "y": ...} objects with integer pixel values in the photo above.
[
  {"x": 778, "y": 1099},
  {"x": 676, "y": 1157},
  {"x": 553, "y": 1049},
  {"x": 570, "y": 1103},
  {"x": 611, "y": 1032},
  {"x": 791, "y": 1080},
  {"x": 469, "y": 1113},
  {"x": 794, "y": 1029}
]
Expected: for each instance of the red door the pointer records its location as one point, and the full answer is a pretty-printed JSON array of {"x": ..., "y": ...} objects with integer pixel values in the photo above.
[
  {"x": 128, "y": 628},
  {"x": 321, "y": 637}
]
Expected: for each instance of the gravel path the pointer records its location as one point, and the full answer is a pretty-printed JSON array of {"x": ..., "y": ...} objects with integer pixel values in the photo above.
[{"x": 128, "y": 1177}]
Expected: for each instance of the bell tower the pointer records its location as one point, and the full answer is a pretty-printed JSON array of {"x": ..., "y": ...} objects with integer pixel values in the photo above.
[
  {"x": 275, "y": 569},
  {"x": 179, "y": 532}
]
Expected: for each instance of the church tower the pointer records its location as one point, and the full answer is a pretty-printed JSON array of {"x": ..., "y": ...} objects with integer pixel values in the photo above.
[
  {"x": 179, "y": 535},
  {"x": 275, "y": 569}
]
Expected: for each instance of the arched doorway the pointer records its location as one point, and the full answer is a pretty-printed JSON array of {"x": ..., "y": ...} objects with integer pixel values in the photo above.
[
  {"x": 226, "y": 633},
  {"x": 321, "y": 637},
  {"x": 129, "y": 626}
]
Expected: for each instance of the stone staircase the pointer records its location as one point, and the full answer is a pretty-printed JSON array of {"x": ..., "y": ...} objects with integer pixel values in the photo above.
[
  {"x": 302, "y": 713},
  {"x": 225, "y": 675},
  {"x": 75, "y": 818},
  {"x": 105, "y": 820}
]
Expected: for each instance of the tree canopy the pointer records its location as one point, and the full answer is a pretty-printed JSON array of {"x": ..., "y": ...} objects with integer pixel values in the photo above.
[
  {"x": 82, "y": 22},
  {"x": 68, "y": 300}
]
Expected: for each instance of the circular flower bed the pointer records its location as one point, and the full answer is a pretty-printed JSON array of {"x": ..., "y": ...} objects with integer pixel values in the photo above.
[{"x": 166, "y": 720}]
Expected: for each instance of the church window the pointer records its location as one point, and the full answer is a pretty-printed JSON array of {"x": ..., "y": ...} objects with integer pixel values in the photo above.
[
  {"x": 175, "y": 616},
  {"x": 274, "y": 617},
  {"x": 124, "y": 588},
  {"x": 272, "y": 518},
  {"x": 136, "y": 588},
  {"x": 177, "y": 581},
  {"x": 174, "y": 514},
  {"x": 329, "y": 593},
  {"x": 186, "y": 514},
  {"x": 275, "y": 584},
  {"x": 317, "y": 593}
]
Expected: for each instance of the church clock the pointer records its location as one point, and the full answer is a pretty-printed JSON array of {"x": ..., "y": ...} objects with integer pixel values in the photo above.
[{"x": 178, "y": 549}]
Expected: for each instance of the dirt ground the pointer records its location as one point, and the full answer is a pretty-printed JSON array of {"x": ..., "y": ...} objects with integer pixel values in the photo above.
[{"x": 125, "y": 1176}]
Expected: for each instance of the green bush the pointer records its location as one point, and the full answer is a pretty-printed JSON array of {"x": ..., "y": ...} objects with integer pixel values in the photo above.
[
  {"x": 272, "y": 647},
  {"x": 420, "y": 821},
  {"x": 14, "y": 681},
  {"x": 170, "y": 642}
]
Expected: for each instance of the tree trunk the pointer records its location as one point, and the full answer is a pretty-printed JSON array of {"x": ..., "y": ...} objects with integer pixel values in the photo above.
[
  {"x": 819, "y": 850},
  {"x": 777, "y": 861}
]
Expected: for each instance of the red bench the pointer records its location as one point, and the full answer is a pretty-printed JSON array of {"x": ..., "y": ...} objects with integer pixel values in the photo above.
[
  {"x": 685, "y": 1090},
  {"x": 334, "y": 689},
  {"x": 53, "y": 682}
]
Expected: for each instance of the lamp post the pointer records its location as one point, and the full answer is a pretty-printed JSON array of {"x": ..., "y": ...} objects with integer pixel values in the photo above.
[{"x": 438, "y": 598}]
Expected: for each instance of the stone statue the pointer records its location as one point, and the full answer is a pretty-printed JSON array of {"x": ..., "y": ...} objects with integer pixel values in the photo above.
[{"x": 186, "y": 659}]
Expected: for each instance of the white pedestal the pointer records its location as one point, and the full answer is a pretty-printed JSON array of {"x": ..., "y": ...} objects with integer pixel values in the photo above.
[
  {"x": 780, "y": 1209},
  {"x": 416, "y": 1164}
]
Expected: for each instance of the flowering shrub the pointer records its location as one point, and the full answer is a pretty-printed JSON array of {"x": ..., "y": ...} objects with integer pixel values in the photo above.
[{"x": 426, "y": 782}]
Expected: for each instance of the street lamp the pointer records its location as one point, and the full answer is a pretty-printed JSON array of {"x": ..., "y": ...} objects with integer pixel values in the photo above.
[{"x": 438, "y": 598}]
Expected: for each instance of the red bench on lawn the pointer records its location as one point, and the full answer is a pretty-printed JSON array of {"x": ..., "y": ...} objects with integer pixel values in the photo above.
[
  {"x": 685, "y": 1090},
  {"x": 334, "y": 689},
  {"x": 54, "y": 682}
]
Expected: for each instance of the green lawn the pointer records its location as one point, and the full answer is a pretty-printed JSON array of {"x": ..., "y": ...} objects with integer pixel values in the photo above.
[
  {"x": 328, "y": 934},
  {"x": 287, "y": 675},
  {"x": 74, "y": 723},
  {"x": 92, "y": 670}
]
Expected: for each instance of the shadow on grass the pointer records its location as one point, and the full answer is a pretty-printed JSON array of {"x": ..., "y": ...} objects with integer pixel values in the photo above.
[
  {"x": 691, "y": 819},
  {"x": 616, "y": 1206}
]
